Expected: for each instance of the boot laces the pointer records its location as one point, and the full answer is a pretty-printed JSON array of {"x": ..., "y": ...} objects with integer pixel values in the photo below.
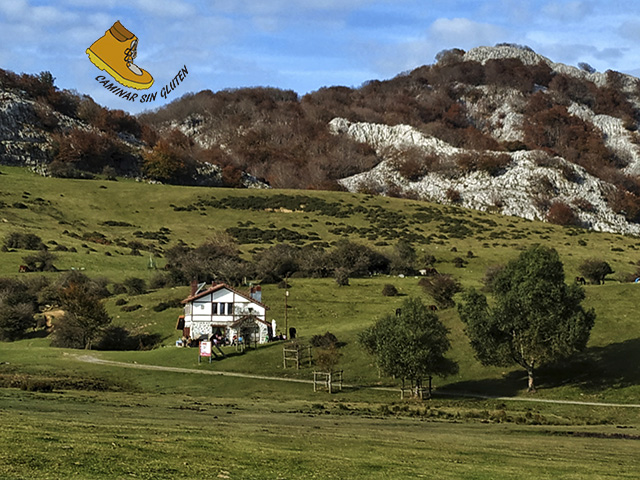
[{"x": 131, "y": 52}]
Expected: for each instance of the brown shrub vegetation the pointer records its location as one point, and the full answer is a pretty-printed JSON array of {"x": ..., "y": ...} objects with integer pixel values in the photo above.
[{"x": 562, "y": 214}]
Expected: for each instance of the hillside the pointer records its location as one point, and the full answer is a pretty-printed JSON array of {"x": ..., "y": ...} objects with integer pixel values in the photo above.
[
  {"x": 106, "y": 413},
  {"x": 495, "y": 128},
  {"x": 80, "y": 229}
]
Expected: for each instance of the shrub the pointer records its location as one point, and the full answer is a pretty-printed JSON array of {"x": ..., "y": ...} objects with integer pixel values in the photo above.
[
  {"x": 459, "y": 262},
  {"x": 442, "y": 288},
  {"x": 595, "y": 270},
  {"x": 135, "y": 286},
  {"x": 175, "y": 303},
  {"x": 159, "y": 280},
  {"x": 25, "y": 241},
  {"x": 562, "y": 214},
  {"x": 584, "y": 205},
  {"x": 327, "y": 358},
  {"x": 494, "y": 164},
  {"x": 453, "y": 195},
  {"x": 341, "y": 276},
  {"x": 131, "y": 308},
  {"x": 121, "y": 301},
  {"x": 389, "y": 290},
  {"x": 326, "y": 340},
  {"x": 40, "y": 262}
]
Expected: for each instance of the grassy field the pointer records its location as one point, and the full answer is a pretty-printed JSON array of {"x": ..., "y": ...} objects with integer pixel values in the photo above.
[
  {"x": 225, "y": 435},
  {"x": 110, "y": 422}
]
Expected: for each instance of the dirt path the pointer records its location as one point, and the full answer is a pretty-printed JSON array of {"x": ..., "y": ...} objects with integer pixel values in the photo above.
[{"x": 142, "y": 366}]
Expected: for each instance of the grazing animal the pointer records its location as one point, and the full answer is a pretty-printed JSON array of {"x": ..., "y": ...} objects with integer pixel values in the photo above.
[
  {"x": 433, "y": 308},
  {"x": 23, "y": 269},
  {"x": 398, "y": 312},
  {"x": 581, "y": 280},
  {"x": 430, "y": 271}
]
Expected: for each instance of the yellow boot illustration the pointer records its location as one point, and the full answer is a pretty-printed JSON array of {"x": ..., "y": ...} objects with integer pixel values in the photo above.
[{"x": 114, "y": 52}]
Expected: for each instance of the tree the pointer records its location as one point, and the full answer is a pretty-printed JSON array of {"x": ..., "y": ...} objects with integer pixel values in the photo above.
[
  {"x": 85, "y": 318},
  {"x": 18, "y": 302},
  {"x": 595, "y": 270},
  {"x": 15, "y": 319},
  {"x": 410, "y": 345},
  {"x": 403, "y": 258},
  {"x": 167, "y": 162},
  {"x": 536, "y": 318}
]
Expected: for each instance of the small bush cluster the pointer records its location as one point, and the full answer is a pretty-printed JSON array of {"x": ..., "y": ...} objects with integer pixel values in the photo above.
[
  {"x": 325, "y": 340},
  {"x": 442, "y": 288},
  {"x": 23, "y": 240},
  {"x": 389, "y": 290},
  {"x": 562, "y": 214}
]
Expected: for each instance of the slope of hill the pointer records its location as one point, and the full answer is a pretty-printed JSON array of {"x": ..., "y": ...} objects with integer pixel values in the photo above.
[
  {"x": 494, "y": 128},
  {"x": 498, "y": 128},
  {"x": 95, "y": 227}
]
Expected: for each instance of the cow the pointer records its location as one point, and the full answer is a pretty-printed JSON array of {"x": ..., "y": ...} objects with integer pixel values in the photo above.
[
  {"x": 428, "y": 272},
  {"x": 23, "y": 269},
  {"x": 398, "y": 312},
  {"x": 581, "y": 280},
  {"x": 433, "y": 308}
]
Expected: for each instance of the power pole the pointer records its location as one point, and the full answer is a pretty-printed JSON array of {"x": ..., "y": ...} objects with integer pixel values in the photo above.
[{"x": 286, "y": 319}]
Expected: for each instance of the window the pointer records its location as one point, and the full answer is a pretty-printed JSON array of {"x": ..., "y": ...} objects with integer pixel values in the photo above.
[
  {"x": 229, "y": 308},
  {"x": 214, "y": 308}
]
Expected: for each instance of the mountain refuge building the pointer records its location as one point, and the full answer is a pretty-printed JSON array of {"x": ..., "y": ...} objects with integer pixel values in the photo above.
[{"x": 224, "y": 311}]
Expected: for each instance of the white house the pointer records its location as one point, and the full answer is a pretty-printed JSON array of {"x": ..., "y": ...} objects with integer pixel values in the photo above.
[{"x": 223, "y": 310}]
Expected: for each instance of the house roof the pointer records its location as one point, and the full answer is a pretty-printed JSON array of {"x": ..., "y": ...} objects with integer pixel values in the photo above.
[{"x": 221, "y": 286}]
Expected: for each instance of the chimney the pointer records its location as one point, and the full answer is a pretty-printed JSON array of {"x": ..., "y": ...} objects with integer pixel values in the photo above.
[
  {"x": 256, "y": 293},
  {"x": 194, "y": 287}
]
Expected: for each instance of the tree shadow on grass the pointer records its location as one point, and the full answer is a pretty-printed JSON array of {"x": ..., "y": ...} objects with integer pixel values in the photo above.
[
  {"x": 509, "y": 385},
  {"x": 597, "y": 368},
  {"x": 594, "y": 370}
]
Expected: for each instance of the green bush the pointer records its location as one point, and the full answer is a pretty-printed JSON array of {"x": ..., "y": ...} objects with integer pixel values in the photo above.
[
  {"x": 24, "y": 241},
  {"x": 135, "y": 286},
  {"x": 389, "y": 290},
  {"x": 326, "y": 340}
]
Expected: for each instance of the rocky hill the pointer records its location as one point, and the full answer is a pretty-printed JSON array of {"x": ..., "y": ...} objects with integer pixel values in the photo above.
[
  {"x": 495, "y": 128},
  {"x": 60, "y": 133}
]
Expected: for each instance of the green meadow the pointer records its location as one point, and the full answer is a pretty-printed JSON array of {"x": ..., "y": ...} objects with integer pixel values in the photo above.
[{"x": 72, "y": 417}]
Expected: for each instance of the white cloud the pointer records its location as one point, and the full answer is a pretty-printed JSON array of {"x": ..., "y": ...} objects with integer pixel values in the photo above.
[
  {"x": 166, "y": 8},
  {"x": 464, "y": 33},
  {"x": 630, "y": 30},
  {"x": 14, "y": 9},
  {"x": 568, "y": 11}
]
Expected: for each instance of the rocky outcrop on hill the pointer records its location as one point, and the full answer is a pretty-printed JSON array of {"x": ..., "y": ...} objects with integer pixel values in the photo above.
[
  {"x": 497, "y": 128},
  {"x": 21, "y": 141},
  {"x": 525, "y": 188}
]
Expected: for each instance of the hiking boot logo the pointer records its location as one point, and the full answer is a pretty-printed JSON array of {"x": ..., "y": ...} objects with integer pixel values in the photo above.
[{"x": 114, "y": 53}]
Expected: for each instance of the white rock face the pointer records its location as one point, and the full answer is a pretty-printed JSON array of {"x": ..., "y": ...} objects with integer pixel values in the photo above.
[
  {"x": 515, "y": 192},
  {"x": 529, "y": 57},
  {"x": 20, "y": 142}
]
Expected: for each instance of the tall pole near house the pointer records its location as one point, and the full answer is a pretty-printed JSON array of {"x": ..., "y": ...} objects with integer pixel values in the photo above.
[{"x": 286, "y": 320}]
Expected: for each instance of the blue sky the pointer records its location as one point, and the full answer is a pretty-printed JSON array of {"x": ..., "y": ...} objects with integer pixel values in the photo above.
[{"x": 303, "y": 45}]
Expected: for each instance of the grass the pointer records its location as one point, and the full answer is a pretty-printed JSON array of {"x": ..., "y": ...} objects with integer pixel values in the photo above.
[
  {"x": 116, "y": 435},
  {"x": 167, "y": 425}
]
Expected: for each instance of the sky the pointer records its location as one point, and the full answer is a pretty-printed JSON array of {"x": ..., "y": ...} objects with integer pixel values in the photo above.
[{"x": 302, "y": 45}]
